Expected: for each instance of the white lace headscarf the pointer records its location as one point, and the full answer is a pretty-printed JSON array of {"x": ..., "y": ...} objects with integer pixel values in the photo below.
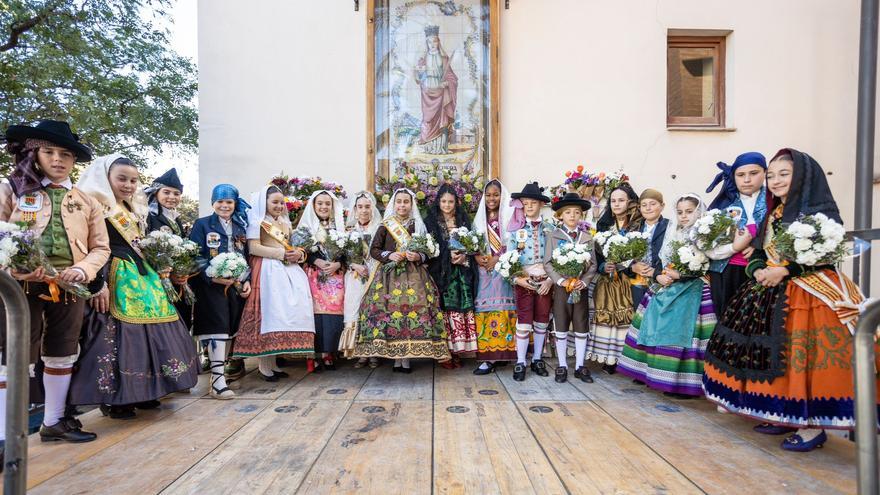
[
  {"x": 375, "y": 218},
  {"x": 95, "y": 181},
  {"x": 677, "y": 232},
  {"x": 505, "y": 212},
  {"x": 258, "y": 212},
  {"x": 414, "y": 213}
]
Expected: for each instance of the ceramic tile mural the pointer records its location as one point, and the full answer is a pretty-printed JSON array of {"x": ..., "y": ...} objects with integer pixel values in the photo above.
[{"x": 432, "y": 99}]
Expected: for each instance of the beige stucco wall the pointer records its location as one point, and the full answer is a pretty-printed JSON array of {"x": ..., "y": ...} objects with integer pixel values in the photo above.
[{"x": 582, "y": 81}]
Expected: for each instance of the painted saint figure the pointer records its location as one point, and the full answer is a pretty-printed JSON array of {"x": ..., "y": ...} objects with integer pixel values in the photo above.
[{"x": 438, "y": 85}]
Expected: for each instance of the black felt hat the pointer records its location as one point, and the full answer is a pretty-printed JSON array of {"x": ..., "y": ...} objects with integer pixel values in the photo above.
[
  {"x": 571, "y": 199},
  {"x": 54, "y": 131},
  {"x": 531, "y": 191}
]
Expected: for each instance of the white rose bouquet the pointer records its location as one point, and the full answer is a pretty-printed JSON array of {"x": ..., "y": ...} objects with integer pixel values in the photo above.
[
  {"x": 467, "y": 241},
  {"x": 159, "y": 248},
  {"x": 570, "y": 260},
  {"x": 687, "y": 260},
  {"x": 812, "y": 240},
  {"x": 510, "y": 265},
  {"x": 417, "y": 243},
  {"x": 623, "y": 249},
  {"x": 231, "y": 266}
]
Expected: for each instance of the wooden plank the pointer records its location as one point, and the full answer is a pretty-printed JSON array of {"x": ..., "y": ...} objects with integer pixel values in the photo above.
[
  {"x": 538, "y": 388},
  {"x": 383, "y": 384},
  {"x": 46, "y": 460},
  {"x": 699, "y": 448},
  {"x": 380, "y": 447},
  {"x": 485, "y": 447},
  {"x": 593, "y": 453},
  {"x": 204, "y": 384},
  {"x": 271, "y": 454},
  {"x": 342, "y": 384},
  {"x": 253, "y": 386},
  {"x": 152, "y": 458},
  {"x": 462, "y": 384}
]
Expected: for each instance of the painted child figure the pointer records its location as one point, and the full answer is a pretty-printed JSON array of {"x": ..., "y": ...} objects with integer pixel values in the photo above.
[
  {"x": 567, "y": 314},
  {"x": 532, "y": 290}
]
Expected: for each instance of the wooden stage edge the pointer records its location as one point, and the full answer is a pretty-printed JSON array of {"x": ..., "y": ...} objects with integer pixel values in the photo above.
[{"x": 433, "y": 431}]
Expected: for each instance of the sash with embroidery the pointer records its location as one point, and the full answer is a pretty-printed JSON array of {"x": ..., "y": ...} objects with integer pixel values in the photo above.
[
  {"x": 276, "y": 233},
  {"x": 127, "y": 225},
  {"x": 400, "y": 234},
  {"x": 495, "y": 244},
  {"x": 843, "y": 298}
]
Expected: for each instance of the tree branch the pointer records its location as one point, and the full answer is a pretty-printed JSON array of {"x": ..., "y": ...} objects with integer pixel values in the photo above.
[{"x": 21, "y": 27}]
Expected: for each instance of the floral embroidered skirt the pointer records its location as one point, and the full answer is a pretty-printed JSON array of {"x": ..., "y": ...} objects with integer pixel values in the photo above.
[
  {"x": 782, "y": 356},
  {"x": 400, "y": 317},
  {"x": 461, "y": 329},
  {"x": 124, "y": 363},
  {"x": 611, "y": 318},
  {"x": 495, "y": 318}
]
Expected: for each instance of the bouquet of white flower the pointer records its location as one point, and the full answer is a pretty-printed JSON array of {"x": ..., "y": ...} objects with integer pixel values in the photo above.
[
  {"x": 570, "y": 260},
  {"x": 713, "y": 229},
  {"x": 356, "y": 250},
  {"x": 623, "y": 249},
  {"x": 510, "y": 265},
  {"x": 302, "y": 238},
  {"x": 159, "y": 249},
  {"x": 231, "y": 266},
  {"x": 21, "y": 250},
  {"x": 812, "y": 240},
  {"x": 469, "y": 242},
  {"x": 687, "y": 260},
  {"x": 417, "y": 243}
]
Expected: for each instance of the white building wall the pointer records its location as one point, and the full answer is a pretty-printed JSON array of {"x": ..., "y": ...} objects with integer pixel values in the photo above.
[{"x": 582, "y": 81}]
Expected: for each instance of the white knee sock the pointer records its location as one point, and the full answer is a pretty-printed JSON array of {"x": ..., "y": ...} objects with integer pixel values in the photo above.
[
  {"x": 561, "y": 348},
  {"x": 540, "y": 336},
  {"x": 56, "y": 381},
  {"x": 580, "y": 349},
  {"x": 273, "y": 363},
  {"x": 522, "y": 342},
  {"x": 404, "y": 362},
  {"x": 808, "y": 434},
  {"x": 397, "y": 363},
  {"x": 265, "y": 364},
  {"x": 217, "y": 356}
]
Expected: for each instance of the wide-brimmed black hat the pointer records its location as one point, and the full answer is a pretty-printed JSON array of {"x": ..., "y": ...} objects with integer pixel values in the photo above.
[
  {"x": 531, "y": 191},
  {"x": 571, "y": 199},
  {"x": 53, "y": 131}
]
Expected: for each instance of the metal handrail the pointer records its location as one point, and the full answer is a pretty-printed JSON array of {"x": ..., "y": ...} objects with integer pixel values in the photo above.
[
  {"x": 866, "y": 400},
  {"x": 17, "y": 352}
]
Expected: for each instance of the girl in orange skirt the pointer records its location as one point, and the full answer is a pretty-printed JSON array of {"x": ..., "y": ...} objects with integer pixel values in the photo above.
[{"x": 782, "y": 351}]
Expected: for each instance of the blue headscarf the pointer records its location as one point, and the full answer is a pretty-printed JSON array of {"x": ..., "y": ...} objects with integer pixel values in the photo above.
[
  {"x": 228, "y": 191},
  {"x": 729, "y": 192}
]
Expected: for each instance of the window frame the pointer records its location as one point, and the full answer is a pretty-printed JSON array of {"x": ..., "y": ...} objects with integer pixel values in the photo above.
[{"x": 718, "y": 45}]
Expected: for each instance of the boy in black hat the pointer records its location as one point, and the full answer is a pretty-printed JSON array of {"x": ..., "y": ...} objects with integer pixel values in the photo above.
[
  {"x": 532, "y": 290},
  {"x": 73, "y": 235},
  {"x": 570, "y": 209}
]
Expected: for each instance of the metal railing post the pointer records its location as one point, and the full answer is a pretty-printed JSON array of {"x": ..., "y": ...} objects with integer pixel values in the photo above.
[
  {"x": 866, "y": 400},
  {"x": 867, "y": 97},
  {"x": 17, "y": 353}
]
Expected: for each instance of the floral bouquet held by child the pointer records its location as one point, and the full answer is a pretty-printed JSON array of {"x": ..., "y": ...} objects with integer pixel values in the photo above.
[
  {"x": 713, "y": 229},
  {"x": 231, "y": 266},
  {"x": 159, "y": 250},
  {"x": 356, "y": 251},
  {"x": 20, "y": 250},
  {"x": 184, "y": 266},
  {"x": 467, "y": 242},
  {"x": 687, "y": 260},
  {"x": 510, "y": 265},
  {"x": 420, "y": 244},
  {"x": 570, "y": 260},
  {"x": 812, "y": 240},
  {"x": 621, "y": 249},
  {"x": 333, "y": 245}
]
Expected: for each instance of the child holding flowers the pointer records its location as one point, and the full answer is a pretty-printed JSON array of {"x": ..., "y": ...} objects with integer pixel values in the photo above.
[
  {"x": 400, "y": 316},
  {"x": 666, "y": 343}
]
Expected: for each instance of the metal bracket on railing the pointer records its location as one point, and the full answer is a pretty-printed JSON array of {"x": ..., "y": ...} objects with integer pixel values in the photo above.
[
  {"x": 17, "y": 351},
  {"x": 866, "y": 400}
]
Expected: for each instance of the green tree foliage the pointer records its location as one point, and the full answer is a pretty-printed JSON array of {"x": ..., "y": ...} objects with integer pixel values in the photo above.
[
  {"x": 103, "y": 65},
  {"x": 189, "y": 211}
]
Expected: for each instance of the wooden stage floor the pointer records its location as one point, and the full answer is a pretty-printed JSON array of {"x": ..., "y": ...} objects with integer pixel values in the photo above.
[{"x": 434, "y": 431}]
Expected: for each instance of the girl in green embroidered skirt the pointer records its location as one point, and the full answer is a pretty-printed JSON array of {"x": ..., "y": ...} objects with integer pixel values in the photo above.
[{"x": 134, "y": 347}]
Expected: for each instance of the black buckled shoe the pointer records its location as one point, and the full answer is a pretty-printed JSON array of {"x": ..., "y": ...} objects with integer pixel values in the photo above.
[
  {"x": 583, "y": 374},
  {"x": 519, "y": 372},
  {"x": 67, "y": 430},
  {"x": 609, "y": 368},
  {"x": 281, "y": 374},
  {"x": 268, "y": 378},
  {"x": 539, "y": 368},
  {"x": 485, "y": 371},
  {"x": 561, "y": 374},
  {"x": 150, "y": 404},
  {"x": 118, "y": 412}
]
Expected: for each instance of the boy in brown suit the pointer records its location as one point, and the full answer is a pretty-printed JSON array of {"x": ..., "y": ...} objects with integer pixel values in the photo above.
[
  {"x": 570, "y": 210},
  {"x": 71, "y": 230}
]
